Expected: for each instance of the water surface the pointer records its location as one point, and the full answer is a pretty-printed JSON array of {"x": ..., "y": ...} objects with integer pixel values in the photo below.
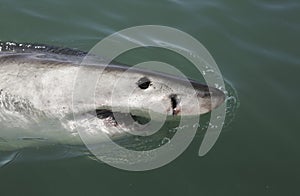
[{"x": 255, "y": 44}]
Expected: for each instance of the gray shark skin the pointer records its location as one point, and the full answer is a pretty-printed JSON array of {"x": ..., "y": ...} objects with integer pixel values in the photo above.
[{"x": 36, "y": 96}]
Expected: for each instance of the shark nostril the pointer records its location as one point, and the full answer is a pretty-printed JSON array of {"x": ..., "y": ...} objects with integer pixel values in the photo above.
[{"x": 174, "y": 103}]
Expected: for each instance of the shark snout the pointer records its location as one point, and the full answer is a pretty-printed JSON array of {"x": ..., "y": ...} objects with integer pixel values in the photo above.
[{"x": 210, "y": 98}]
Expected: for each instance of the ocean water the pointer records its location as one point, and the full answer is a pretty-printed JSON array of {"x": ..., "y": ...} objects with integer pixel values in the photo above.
[{"x": 256, "y": 46}]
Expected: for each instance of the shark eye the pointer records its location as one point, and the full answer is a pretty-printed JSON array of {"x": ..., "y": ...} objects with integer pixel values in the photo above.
[{"x": 143, "y": 83}]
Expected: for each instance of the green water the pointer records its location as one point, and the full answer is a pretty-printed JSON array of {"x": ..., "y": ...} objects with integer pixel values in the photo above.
[{"x": 256, "y": 46}]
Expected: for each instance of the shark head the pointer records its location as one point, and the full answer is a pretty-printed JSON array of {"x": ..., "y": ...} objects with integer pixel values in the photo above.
[{"x": 143, "y": 90}]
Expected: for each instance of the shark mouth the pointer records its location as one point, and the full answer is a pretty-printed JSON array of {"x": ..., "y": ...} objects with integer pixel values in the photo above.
[{"x": 113, "y": 118}]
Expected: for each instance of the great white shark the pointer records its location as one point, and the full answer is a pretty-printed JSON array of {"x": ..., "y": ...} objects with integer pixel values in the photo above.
[{"x": 36, "y": 96}]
